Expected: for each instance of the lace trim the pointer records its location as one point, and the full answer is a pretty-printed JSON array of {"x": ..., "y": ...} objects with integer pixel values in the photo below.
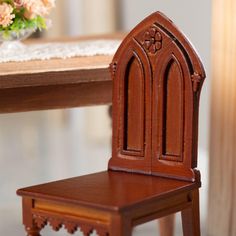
[{"x": 18, "y": 52}]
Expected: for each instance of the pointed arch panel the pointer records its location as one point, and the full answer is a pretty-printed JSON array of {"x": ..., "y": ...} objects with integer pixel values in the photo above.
[
  {"x": 157, "y": 79},
  {"x": 133, "y": 114},
  {"x": 132, "y": 103},
  {"x": 172, "y": 132}
]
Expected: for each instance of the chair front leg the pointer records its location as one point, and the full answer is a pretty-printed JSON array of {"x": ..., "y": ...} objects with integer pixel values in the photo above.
[
  {"x": 30, "y": 226},
  {"x": 120, "y": 226},
  {"x": 191, "y": 217},
  {"x": 32, "y": 230}
]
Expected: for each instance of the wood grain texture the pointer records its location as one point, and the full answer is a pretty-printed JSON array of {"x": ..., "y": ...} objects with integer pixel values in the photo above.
[
  {"x": 157, "y": 78},
  {"x": 110, "y": 190},
  {"x": 157, "y": 82},
  {"x": 102, "y": 198},
  {"x": 55, "y": 96},
  {"x": 191, "y": 216},
  {"x": 54, "y": 65},
  {"x": 56, "y": 83},
  {"x": 222, "y": 179},
  {"x": 18, "y": 69}
]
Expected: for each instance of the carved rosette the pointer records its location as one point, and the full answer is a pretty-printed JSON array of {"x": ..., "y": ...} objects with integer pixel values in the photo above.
[
  {"x": 152, "y": 40},
  {"x": 71, "y": 226}
]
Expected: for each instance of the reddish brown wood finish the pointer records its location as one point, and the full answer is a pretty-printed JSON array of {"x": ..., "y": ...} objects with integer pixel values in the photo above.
[
  {"x": 55, "y": 96},
  {"x": 94, "y": 200},
  {"x": 167, "y": 225},
  {"x": 157, "y": 78},
  {"x": 56, "y": 83},
  {"x": 190, "y": 216}
]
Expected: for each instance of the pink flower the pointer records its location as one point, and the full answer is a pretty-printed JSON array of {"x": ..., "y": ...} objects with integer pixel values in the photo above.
[
  {"x": 6, "y": 15},
  {"x": 19, "y": 3},
  {"x": 35, "y": 8},
  {"x": 49, "y": 3}
]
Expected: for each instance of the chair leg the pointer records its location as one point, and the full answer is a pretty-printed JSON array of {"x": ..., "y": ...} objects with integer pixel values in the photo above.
[
  {"x": 166, "y": 225},
  {"x": 121, "y": 226},
  {"x": 30, "y": 226},
  {"x": 191, "y": 217},
  {"x": 32, "y": 231}
]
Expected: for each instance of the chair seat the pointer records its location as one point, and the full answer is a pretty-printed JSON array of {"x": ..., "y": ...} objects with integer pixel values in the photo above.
[{"x": 108, "y": 190}]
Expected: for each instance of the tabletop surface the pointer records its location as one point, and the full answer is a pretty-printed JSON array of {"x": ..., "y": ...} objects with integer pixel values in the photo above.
[
  {"x": 17, "y": 74},
  {"x": 56, "y": 83}
]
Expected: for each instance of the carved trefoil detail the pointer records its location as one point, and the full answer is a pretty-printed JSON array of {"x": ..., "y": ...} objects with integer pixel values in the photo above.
[
  {"x": 152, "y": 40},
  {"x": 196, "y": 78},
  {"x": 113, "y": 68}
]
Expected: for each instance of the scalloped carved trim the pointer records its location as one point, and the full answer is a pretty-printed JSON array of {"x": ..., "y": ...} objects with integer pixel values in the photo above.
[
  {"x": 40, "y": 221},
  {"x": 102, "y": 232},
  {"x": 71, "y": 226},
  {"x": 86, "y": 230},
  {"x": 55, "y": 224}
]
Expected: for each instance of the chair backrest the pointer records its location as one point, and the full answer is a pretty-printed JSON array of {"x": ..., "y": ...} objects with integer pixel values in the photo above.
[{"x": 157, "y": 78}]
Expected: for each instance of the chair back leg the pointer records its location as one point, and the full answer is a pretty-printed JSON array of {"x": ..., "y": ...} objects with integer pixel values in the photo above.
[
  {"x": 191, "y": 217},
  {"x": 166, "y": 225}
]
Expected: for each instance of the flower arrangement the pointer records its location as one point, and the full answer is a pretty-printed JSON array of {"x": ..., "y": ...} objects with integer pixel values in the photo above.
[{"x": 17, "y": 15}]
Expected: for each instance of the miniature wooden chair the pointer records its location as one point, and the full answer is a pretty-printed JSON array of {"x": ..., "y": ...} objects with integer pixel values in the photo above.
[{"x": 157, "y": 78}]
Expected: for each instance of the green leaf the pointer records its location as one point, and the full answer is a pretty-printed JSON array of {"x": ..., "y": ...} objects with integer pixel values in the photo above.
[{"x": 20, "y": 23}]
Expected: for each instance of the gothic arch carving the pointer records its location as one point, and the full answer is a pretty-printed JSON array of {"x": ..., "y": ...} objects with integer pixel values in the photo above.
[
  {"x": 132, "y": 106},
  {"x": 157, "y": 81},
  {"x": 172, "y": 146}
]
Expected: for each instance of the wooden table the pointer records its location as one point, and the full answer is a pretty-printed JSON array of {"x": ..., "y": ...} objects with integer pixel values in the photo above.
[{"x": 56, "y": 83}]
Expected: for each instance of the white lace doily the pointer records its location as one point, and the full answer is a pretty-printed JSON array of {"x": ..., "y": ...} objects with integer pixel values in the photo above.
[{"x": 18, "y": 52}]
